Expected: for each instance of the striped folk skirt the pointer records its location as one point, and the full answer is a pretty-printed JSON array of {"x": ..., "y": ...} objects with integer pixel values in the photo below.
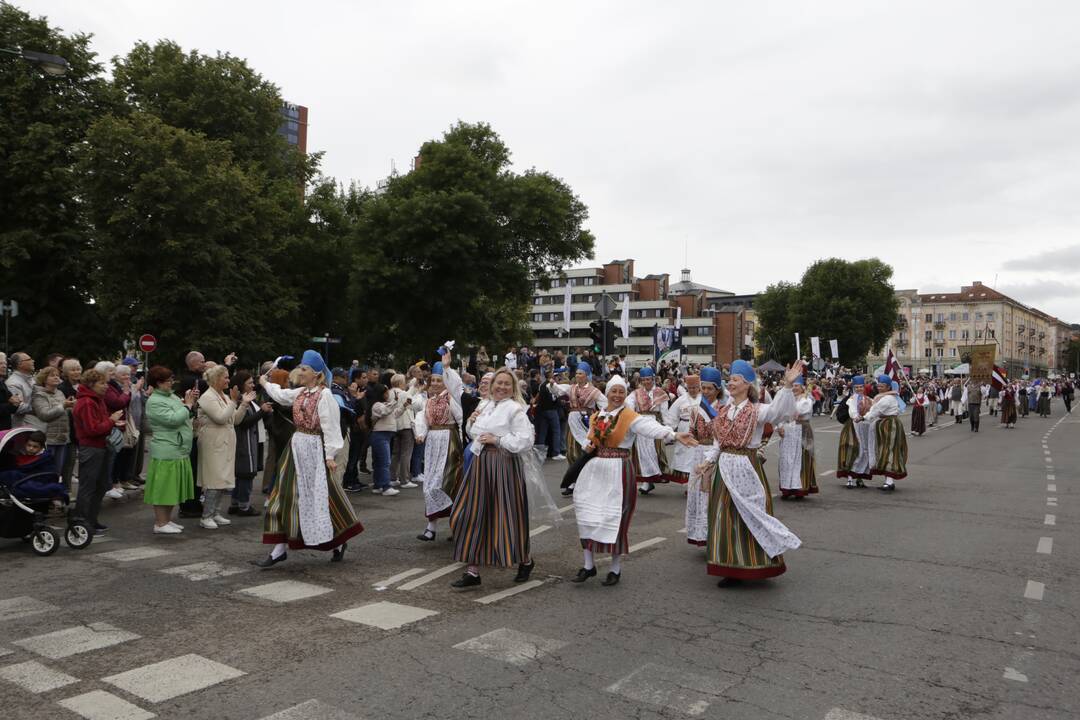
[
  {"x": 849, "y": 452},
  {"x": 891, "y": 459},
  {"x": 918, "y": 419},
  {"x": 1008, "y": 410},
  {"x": 281, "y": 522},
  {"x": 490, "y": 521},
  {"x": 621, "y": 546},
  {"x": 731, "y": 550}
]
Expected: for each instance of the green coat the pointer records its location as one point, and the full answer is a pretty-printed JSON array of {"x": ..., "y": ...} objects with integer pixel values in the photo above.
[{"x": 170, "y": 424}]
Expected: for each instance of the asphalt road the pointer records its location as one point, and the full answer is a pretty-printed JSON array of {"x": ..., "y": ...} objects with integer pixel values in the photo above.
[{"x": 954, "y": 597}]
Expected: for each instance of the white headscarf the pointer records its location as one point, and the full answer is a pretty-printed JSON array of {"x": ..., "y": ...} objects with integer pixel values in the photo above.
[{"x": 615, "y": 381}]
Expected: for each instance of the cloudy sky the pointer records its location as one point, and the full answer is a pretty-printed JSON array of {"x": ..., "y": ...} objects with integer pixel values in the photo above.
[{"x": 761, "y": 136}]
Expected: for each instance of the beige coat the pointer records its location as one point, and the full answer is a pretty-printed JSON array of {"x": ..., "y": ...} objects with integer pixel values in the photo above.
[{"x": 218, "y": 415}]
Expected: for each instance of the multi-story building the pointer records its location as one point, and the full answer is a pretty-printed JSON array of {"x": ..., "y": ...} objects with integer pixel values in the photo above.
[
  {"x": 933, "y": 329},
  {"x": 708, "y": 335},
  {"x": 294, "y": 125}
]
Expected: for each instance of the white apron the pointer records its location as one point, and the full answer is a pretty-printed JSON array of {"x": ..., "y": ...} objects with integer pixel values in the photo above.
[{"x": 748, "y": 495}]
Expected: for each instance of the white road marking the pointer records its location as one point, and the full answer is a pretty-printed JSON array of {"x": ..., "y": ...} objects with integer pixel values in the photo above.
[
  {"x": 23, "y": 606},
  {"x": 1051, "y": 487},
  {"x": 495, "y": 597},
  {"x": 646, "y": 543},
  {"x": 1050, "y": 520},
  {"x": 34, "y": 677},
  {"x": 827, "y": 472},
  {"x": 1046, "y": 452},
  {"x": 1034, "y": 590},
  {"x": 101, "y": 705},
  {"x": 841, "y": 714},
  {"x": 537, "y": 530},
  {"x": 5, "y": 651},
  {"x": 510, "y": 646},
  {"x": 566, "y": 508},
  {"x": 1046, "y": 546},
  {"x": 1011, "y": 674},
  {"x": 143, "y": 552},
  {"x": 681, "y": 531},
  {"x": 285, "y": 591},
  {"x": 171, "y": 678},
  {"x": 75, "y": 640},
  {"x": 672, "y": 689},
  {"x": 1051, "y": 477},
  {"x": 383, "y": 584},
  {"x": 433, "y": 575},
  {"x": 198, "y": 572},
  {"x": 384, "y": 615},
  {"x": 311, "y": 710}
]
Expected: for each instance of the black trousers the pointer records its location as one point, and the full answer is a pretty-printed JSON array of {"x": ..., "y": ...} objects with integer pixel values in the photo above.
[
  {"x": 358, "y": 447},
  {"x": 93, "y": 482},
  {"x": 973, "y": 416}
]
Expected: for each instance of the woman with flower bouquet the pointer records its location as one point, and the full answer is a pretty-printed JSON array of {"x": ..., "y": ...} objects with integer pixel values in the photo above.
[{"x": 605, "y": 491}]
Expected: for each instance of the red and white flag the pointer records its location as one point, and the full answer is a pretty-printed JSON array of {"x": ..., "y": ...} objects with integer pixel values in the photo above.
[
  {"x": 999, "y": 378},
  {"x": 893, "y": 368}
]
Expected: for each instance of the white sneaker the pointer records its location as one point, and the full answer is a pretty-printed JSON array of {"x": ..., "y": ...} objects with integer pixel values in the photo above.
[
  {"x": 378, "y": 491},
  {"x": 115, "y": 494},
  {"x": 176, "y": 525},
  {"x": 167, "y": 530},
  {"x": 559, "y": 457},
  {"x": 207, "y": 523},
  {"x": 220, "y": 520},
  {"x": 390, "y": 491},
  {"x": 128, "y": 486},
  {"x": 395, "y": 483},
  {"x": 410, "y": 484}
]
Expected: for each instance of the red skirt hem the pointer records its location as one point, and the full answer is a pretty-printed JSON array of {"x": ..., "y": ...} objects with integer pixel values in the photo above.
[
  {"x": 747, "y": 573},
  {"x": 796, "y": 493},
  {"x": 295, "y": 544},
  {"x": 893, "y": 475},
  {"x": 445, "y": 512},
  {"x": 697, "y": 543}
]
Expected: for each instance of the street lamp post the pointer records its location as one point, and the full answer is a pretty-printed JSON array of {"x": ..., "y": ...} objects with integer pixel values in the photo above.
[{"x": 52, "y": 64}]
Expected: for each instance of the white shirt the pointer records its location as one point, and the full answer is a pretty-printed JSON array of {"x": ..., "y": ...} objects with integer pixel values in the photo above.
[
  {"x": 511, "y": 360},
  {"x": 506, "y": 420},
  {"x": 884, "y": 406}
]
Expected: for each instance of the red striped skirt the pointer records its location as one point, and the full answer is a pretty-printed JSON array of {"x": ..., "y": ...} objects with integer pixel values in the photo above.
[{"x": 490, "y": 521}]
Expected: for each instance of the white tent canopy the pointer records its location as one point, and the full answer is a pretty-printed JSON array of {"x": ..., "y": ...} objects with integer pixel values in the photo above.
[{"x": 961, "y": 369}]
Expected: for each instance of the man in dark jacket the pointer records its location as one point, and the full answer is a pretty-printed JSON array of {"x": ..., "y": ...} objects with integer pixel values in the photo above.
[{"x": 8, "y": 403}]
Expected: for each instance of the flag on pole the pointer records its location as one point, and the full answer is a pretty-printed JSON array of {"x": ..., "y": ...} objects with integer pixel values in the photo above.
[
  {"x": 798, "y": 349},
  {"x": 998, "y": 378},
  {"x": 624, "y": 318},
  {"x": 892, "y": 367},
  {"x": 566, "y": 307},
  {"x": 815, "y": 346},
  {"x": 835, "y": 348},
  {"x": 678, "y": 317}
]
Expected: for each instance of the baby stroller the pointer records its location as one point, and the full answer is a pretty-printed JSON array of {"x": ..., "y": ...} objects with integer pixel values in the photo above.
[{"x": 27, "y": 491}]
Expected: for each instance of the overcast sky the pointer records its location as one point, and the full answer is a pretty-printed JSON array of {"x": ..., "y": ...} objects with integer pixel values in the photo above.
[{"x": 942, "y": 137}]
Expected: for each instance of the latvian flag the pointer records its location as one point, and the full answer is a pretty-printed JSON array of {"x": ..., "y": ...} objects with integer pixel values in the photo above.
[
  {"x": 892, "y": 367},
  {"x": 999, "y": 378}
]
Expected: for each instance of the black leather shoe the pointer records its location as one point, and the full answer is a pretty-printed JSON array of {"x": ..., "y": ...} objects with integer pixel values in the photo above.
[
  {"x": 466, "y": 581},
  {"x": 426, "y": 536},
  {"x": 270, "y": 560},
  {"x": 611, "y": 579},
  {"x": 233, "y": 509},
  {"x": 728, "y": 582},
  {"x": 339, "y": 553},
  {"x": 249, "y": 511},
  {"x": 524, "y": 571},
  {"x": 888, "y": 488},
  {"x": 583, "y": 575},
  {"x": 568, "y": 492}
]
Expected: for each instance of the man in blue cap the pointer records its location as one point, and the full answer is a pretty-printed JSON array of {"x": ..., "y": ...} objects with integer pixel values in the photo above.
[{"x": 649, "y": 457}]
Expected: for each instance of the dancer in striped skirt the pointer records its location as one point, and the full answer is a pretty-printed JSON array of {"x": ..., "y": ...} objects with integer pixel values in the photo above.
[
  {"x": 604, "y": 494},
  {"x": 438, "y": 428},
  {"x": 649, "y": 457},
  {"x": 697, "y": 493},
  {"x": 798, "y": 474},
  {"x": 490, "y": 520},
  {"x": 745, "y": 540},
  {"x": 307, "y": 509},
  {"x": 854, "y": 460},
  {"x": 883, "y": 418}
]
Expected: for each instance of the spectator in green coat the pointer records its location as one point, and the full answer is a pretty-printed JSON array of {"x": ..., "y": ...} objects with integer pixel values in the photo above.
[{"x": 169, "y": 480}]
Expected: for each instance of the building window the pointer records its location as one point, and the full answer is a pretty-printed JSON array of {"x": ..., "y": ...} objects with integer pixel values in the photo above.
[
  {"x": 952, "y": 352},
  {"x": 978, "y": 316},
  {"x": 952, "y": 317},
  {"x": 538, "y": 300},
  {"x": 965, "y": 317},
  {"x": 990, "y": 316},
  {"x": 952, "y": 334},
  {"x": 941, "y": 352},
  {"x": 590, "y": 281},
  {"x": 964, "y": 335},
  {"x": 929, "y": 335},
  {"x": 927, "y": 353},
  {"x": 939, "y": 335},
  {"x": 929, "y": 317},
  {"x": 941, "y": 317}
]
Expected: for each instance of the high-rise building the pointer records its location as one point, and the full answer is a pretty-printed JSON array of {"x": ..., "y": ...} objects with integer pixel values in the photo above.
[{"x": 294, "y": 125}]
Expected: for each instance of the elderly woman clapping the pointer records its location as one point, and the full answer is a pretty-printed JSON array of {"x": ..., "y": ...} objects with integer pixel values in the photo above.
[{"x": 219, "y": 413}]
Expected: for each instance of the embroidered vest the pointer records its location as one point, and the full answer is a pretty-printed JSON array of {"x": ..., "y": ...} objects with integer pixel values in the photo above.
[
  {"x": 738, "y": 431},
  {"x": 603, "y": 434},
  {"x": 305, "y": 411}
]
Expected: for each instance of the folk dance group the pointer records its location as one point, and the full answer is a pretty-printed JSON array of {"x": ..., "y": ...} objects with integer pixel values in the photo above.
[
  {"x": 873, "y": 440},
  {"x": 615, "y": 439}
]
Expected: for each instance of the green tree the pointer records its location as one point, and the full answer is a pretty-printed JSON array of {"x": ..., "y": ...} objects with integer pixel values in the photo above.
[
  {"x": 451, "y": 248},
  {"x": 43, "y": 238},
  {"x": 853, "y": 302}
]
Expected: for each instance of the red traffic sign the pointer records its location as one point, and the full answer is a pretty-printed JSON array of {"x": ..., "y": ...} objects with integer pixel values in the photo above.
[{"x": 148, "y": 343}]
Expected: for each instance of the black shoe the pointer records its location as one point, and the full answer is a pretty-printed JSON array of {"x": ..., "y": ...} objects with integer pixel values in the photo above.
[
  {"x": 364, "y": 470},
  {"x": 860, "y": 483},
  {"x": 339, "y": 553},
  {"x": 358, "y": 487},
  {"x": 197, "y": 514},
  {"x": 649, "y": 487},
  {"x": 426, "y": 536},
  {"x": 728, "y": 582},
  {"x": 583, "y": 575},
  {"x": 524, "y": 571},
  {"x": 888, "y": 488},
  {"x": 612, "y": 579},
  {"x": 233, "y": 509},
  {"x": 466, "y": 581},
  {"x": 568, "y": 492},
  {"x": 270, "y": 560},
  {"x": 249, "y": 511}
]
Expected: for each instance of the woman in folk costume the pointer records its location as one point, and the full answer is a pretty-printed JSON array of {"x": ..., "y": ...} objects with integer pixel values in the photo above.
[
  {"x": 1022, "y": 399},
  {"x": 890, "y": 460},
  {"x": 490, "y": 521},
  {"x": 700, "y": 428},
  {"x": 1043, "y": 404},
  {"x": 798, "y": 472},
  {"x": 604, "y": 495},
  {"x": 1008, "y": 405},
  {"x": 745, "y": 541},
  {"x": 932, "y": 405},
  {"x": 854, "y": 460},
  {"x": 650, "y": 460},
  {"x": 438, "y": 428},
  {"x": 585, "y": 399},
  {"x": 306, "y": 508},
  {"x": 918, "y": 412}
]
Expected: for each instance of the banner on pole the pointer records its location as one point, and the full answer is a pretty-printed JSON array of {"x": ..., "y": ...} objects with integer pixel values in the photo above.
[
  {"x": 566, "y": 307},
  {"x": 834, "y": 347},
  {"x": 798, "y": 349},
  {"x": 815, "y": 346}
]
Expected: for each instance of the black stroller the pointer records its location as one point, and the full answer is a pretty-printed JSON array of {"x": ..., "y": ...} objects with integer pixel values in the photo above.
[{"x": 26, "y": 495}]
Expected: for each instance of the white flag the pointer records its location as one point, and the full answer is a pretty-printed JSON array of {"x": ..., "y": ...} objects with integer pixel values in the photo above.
[
  {"x": 815, "y": 346},
  {"x": 678, "y": 317},
  {"x": 835, "y": 348},
  {"x": 624, "y": 319},
  {"x": 798, "y": 348},
  {"x": 566, "y": 307}
]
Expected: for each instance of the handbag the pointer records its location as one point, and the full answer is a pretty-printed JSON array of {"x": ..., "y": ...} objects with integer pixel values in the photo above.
[{"x": 115, "y": 440}]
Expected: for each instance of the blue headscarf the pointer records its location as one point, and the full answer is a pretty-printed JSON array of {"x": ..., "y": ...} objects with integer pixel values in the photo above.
[
  {"x": 712, "y": 375},
  {"x": 885, "y": 379},
  {"x": 744, "y": 370},
  {"x": 646, "y": 372},
  {"x": 315, "y": 361},
  {"x": 799, "y": 381},
  {"x": 585, "y": 368},
  {"x": 858, "y": 380},
  {"x": 437, "y": 369}
]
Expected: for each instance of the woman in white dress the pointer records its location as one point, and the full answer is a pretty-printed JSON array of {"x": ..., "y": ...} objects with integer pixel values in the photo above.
[
  {"x": 798, "y": 474},
  {"x": 438, "y": 428},
  {"x": 604, "y": 495},
  {"x": 697, "y": 496}
]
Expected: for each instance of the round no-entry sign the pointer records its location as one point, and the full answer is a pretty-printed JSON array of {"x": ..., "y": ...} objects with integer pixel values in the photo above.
[{"x": 148, "y": 343}]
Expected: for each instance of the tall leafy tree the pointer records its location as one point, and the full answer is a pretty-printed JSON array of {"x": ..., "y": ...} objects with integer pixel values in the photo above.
[
  {"x": 853, "y": 302},
  {"x": 43, "y": 238},
  {"x": 451, "y": 248}
]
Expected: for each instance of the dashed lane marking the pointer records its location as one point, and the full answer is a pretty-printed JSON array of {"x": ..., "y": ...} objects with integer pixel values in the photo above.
[
  {"x": 537, "y": 530},
  {"x": 433, "y": 575},
  {"x": 23, "y": 606},
  {"x": 841, "y": 714},
  {"x": 171, "y": 678},
  {"x": 101, "y": 705},
  {"x": 495, "y": 597},
  {"x": 1011, "y": 674},
  {"x": 75, "y": 640},
  {"x": 826, "y": 473},
  {"x": 510, "y": 646},
  {"x": 566, "y": 508},
  {"x": 1050, "y": 520},
  {"x": 1034, "y": 590},
  {"x": 672, "y": 689},
  {"x": 209, "y": 570},
  {"x": 285, "y": 591},
  {"x": 646, "y": 543},
  {"x": 34, "y": 677},
  {"x": 384, "y": 615},
  {"x": 383, "y": 584},
  {"x": 144, "y": 552},
  {"x": 1045, "y": 546},
  {"x": 311, "y": 710},
  {"x": 1051, "y": 477},
  {"x": 1051, "y": 487}
]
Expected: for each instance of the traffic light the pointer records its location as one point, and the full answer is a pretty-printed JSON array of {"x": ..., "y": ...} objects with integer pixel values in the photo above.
[
  {"x": 596, "y": 332},
  {"x": 612, "y": 333}
]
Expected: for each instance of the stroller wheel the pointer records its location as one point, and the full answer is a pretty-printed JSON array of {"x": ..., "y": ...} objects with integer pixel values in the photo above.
[
  {"x": 45, "y": 541},
  {"x": 78, "y": 535}
]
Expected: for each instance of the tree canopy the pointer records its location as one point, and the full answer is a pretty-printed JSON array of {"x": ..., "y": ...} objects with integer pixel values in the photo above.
[{"x": 853, "y": 302}]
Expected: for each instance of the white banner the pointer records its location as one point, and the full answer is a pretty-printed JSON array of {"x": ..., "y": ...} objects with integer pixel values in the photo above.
[
  {"x": 624, "y": 319},
  {"x": 566, "y": 307},
  {"x": 798, "y": 348},
  {"x": 678, "y": 317},
  {"x": 835, "y": 348},
  {"x": 815, "y": 346}
]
